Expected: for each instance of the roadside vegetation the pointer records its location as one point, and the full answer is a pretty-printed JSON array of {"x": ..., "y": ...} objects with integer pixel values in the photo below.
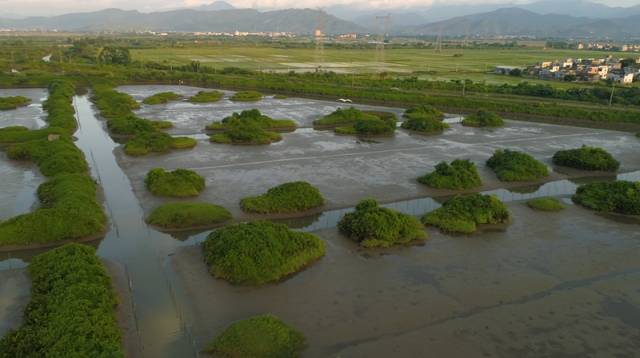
[
  {"x": 587, "y": 158},
  {"x": 464, "y": 214},
  {"x": 184, "y": 215},
  {"x": 162, "y": 98},
  {"x": 249, "y": 127},
  {"x": 260, "y": 252},
  {"x": 483, "y": 118},
  {"x": 178, "y": 183},
  {"x": 247, "y": 96},
  {"x": 459, "y": 175},
  {"x": 294, "y": 197},
  {"x": 207, "y": 97},
  {"x": 260, "y": 336},
  {"x": 621, "y": 197},
  {"x": 72, "y": 308},
  {"x": 546, "y": 204},
  {"x": 8, "y": 103},
  {"x": 374, "y": 226},
  {"x": 512, "y": 166}
]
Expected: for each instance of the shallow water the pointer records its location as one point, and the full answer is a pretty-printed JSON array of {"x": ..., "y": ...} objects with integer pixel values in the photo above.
[{"x": 31, "y": 116}]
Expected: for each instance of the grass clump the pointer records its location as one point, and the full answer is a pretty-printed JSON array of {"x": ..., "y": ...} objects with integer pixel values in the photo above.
[
  {"x": 342, "y": 118},
  {"x": 263, "y": 336},
  {"x": 586, "y": 158},
  {"x": 483, "y": 118},
  {"x": 257, "y": 253},
  {"x": 621, "y": 197},
  {"x": 207, "y": 97},
  {"x": 162, "y": 98},
  {"x": 286, "y": 198},
  {"x": 280, "y": 96},
  {"x": 71, "y": 312},
  {"x": 188, "y": 215},
  {"x": 375, "y": 226},
  {"x": 425, "y": 125},
  {"x": 162, "y": 124},
  {"x": 459, "y": 175},
  {"x": 7, "y": 103},
  {"x": 178, "y": 183},
  {"x": 463, "y": 214},
  {"x": 249, "y": 128},
  {"x": 546, "y": 204},
  {"x": 247, "y": 96},
  {"x": 423, "y": 111},
  {"x": 513, "y": 166},
  {"x": 352, "y": 121}
]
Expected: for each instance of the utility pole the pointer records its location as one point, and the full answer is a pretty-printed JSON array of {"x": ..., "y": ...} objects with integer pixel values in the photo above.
[{"x": 613, "y": 88}]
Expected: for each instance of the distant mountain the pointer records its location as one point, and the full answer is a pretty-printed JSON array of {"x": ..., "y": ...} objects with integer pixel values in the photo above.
[
  {"x": 215, "y": 6},
  {"x": 580, "y": 8},
  {"x": 301, "y": 21}
]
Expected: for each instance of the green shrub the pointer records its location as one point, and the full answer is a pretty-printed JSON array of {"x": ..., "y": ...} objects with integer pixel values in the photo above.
[
  {"x": 59, "y": 106},
  {"x": 183, "y": 143},
  {"x": 162, "y": 98},
  {"x": 130, "y": 125},
  {"x": 7, "y": 103},
  {"x": 352, "y": 121},
  {"x": 459, "y": 175},
  {"x": 286, "y": 198},
  {"x": 247, "y": 96},
  {"x": 162, "y": 124},
  {"x": 342, "y": 118},
  {"x": 512, "y": 166},
  {"x": 586, "y": 158},
  {"x": 425, "y": 125},
  {"x": 207, "y": 97},
  {"x": 263, "y": 336},
  {"x": 52, "y": 157},
  {"x": 257, "y": 253},
  {"x": 463, "y": 214},
  {"x": 546, "y": 204},
  {"x": 622, "y": 197},
  {"x": 71, "y": 312},
  {"x": 178, "y": 183},
  {"x": 188, "y": 215},
  {"x": 20, "y": 134},
  {"x": 423, "y": 111},
  {"x": 253, "y": 117},
  {"x": 280, "y": 96},
  {"x": 375, "y": 226},
  {"x": 483, "y": 118}
]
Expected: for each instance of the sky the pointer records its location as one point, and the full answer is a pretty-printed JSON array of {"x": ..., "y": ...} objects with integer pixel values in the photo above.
[{"x": 55, "y": 7}]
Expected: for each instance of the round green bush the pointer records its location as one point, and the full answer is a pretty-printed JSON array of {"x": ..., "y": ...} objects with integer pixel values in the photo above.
[
  {"x": 178, "y": 183},
  {"x": 161, "y": 124},
  {"x": 546, "y": 204},
  {"x": 586, "y": 158},
  {"x": 263, "y": 336},
  {"x": 257, "y": 253},
  {"x": 375, "y": 226},
  {"x": 247, "y": 96},
  {"x": 423, "y": 111},
  {"x": 286, "y": 198},
  {"x": 622, "y": 197},
  {"x": 512, "y": 166},
  {"x": 343, "y": 118},
  {"x": 207, "y": 97},
  {"x": 459, "y": 175},
  {"x": 483, "y": 118},
  {"x": 425, "y": 125},
  {"x": 369, "y": 127},
  {"x": 463, "y": 214},
  {"x": 188, "y": 215},
  {"x": 162, "y": 98}
]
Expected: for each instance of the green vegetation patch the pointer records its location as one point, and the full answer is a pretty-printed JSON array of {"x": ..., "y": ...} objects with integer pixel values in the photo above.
[
  {"x": 375, "y": 226},
  {"x": 352, "y": 121},
  {"x": 257, "y": 253},
  {"x": 263, "y": 336},
  {"x": 483, "y": 118},
  {"x": 343, "y": 118},
  {"x": 7, "y": 103},
  {"x": 463, "y": 214},
  {"x": 178, "y": 183},
  {"x": 286, "y": 198},
  {"x": 513, "y": 166},
  {"x": 587, "y": 158},
  {"x": 249, "y": 128},
  {"x": 622, "y": 197},
  {"x": 162, "y": 98},
  {"x": 459, "y": 175},
  {"x": 423, "y": 111},
  {"x": 71, "y": 312},
  {"x": 162, "y": 124},
  {"x": 546, "y": 204},
  {"x": 53, "y": 157},
  {"x": 207, "y": 97},
  {"x": 188, "y": 215},
  {"x": 425, "y": 125},
  {"x": 247, "y": 96}
]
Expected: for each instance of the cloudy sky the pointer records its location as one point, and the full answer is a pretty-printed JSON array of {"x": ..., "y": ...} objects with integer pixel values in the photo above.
[{"x": 53, "y": 7}]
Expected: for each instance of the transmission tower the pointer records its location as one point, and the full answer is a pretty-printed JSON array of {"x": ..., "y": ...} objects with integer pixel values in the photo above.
[
  {"x": 439, "y": 40},
  {"x": 320, "y": 38},
  {"x": 384, "y": 24}
]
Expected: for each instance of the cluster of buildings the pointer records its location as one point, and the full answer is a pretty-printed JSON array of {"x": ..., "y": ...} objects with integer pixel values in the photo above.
[
  {"x": 625, "y": 71},
  {"x": 609, "y": 47}
]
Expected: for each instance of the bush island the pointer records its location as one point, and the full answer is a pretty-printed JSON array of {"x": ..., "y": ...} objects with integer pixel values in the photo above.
[
  {"x": 162, "y": 98},
  {"x": 483, "y": 118},
  {"x": 247, "y": 96},
  {"x": 352, "y": 121},
  {"x": 459, "y": 175},
  {"x": 423, "y": 111},
  {"x": 463, "y": 214},
  {"x": 7, "y": 103},
  {"x": 343, "y": 118},
  {"x": 425, "y": 125},
  {"x": 257, "y": 253},
  {"x": 250, "y": 128},
  {"x": 263, "y": 336},
  {"x": 162, "y": 124},
  {"x": 178, "y": 183},
  {"x": 207, "y": 97},
  {"x": 622, "y": 197},
  {"x": 71, "y": 312},
  {"x": 188, "y": 215},
  {"x": 546, "y": 204},
  {"x": 516, "y": 166},
  {"x": 587, "y": 158},
  {"x": 286, "y": 198},
  {"x": 375, "y": 226}
]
